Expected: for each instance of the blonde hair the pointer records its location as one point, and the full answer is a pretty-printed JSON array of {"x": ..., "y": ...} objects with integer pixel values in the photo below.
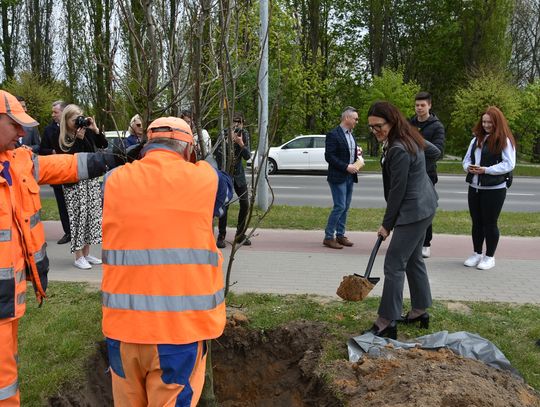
[
  {"x": 66, "y": 141},
  {"x": 136, "y": 117}
]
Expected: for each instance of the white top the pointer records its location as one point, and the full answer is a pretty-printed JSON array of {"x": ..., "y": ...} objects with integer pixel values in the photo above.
[
  {"x": 206, "y": 140},
  {"x": 505, "y": 166}
]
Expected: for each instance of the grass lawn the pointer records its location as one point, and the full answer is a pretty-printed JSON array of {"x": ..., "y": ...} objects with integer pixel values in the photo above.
[{"x": 58, "y": 338}]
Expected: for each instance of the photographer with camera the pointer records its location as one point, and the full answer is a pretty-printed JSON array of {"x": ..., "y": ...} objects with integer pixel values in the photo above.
[
  {"x": 79, "y": 134},
  {"x": 239, "y": 141}
]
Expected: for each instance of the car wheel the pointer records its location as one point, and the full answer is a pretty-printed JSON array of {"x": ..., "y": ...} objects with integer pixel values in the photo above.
[{"x": 271, "y": 166}]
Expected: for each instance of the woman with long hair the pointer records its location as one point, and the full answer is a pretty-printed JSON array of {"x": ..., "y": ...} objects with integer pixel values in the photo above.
[
  {"x": 79, "y": 134},
  {"x": 411, "y": 202},
  {"x": 489, "y": 162}
]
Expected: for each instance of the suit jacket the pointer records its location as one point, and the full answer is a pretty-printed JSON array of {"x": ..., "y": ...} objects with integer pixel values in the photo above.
[
  {"x": 337, "y": 155},
  {"x": 409, "y": 193},
  {"x": 31, "y": 138},
  {"x": 49, "y": 141}
]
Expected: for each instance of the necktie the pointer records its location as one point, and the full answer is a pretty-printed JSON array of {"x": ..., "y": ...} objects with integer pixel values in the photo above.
[{"x": 5, "y": 173}]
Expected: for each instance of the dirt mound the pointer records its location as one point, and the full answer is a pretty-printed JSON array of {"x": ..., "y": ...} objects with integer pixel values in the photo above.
[
  {"x": 411, "y": 378},
  {"x": 269, "y": 369}
]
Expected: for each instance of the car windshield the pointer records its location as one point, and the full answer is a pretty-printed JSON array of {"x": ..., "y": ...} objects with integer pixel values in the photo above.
[{"x": 304, "y": 142}]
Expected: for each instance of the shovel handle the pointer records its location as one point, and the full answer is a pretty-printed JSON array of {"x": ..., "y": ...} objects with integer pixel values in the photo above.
[{"x": 373, "y": 255}]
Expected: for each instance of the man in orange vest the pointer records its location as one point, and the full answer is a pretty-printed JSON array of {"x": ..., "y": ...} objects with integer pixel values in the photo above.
[
  {"x": 163, "y": 293},
  {"x": 22, "y": 239}
]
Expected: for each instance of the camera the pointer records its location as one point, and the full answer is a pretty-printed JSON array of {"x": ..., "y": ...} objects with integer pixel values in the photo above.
[
  {"x": 82, "y": 121},
  {"x": 237, "y": 130}
]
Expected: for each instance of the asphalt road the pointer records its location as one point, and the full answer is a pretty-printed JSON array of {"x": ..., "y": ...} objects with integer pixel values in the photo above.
[{"x": 312, "y": 190}]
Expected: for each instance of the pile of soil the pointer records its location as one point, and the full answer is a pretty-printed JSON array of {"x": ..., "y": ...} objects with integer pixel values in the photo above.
[
  {"x": 283, "y": 367},
  {"x": 417, "y": 377}
]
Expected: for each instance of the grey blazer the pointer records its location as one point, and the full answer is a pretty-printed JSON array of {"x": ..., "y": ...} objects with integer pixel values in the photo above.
[{"x": 409, "y": 193}]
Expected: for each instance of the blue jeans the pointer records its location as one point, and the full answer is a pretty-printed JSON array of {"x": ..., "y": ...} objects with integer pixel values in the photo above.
[{"x": 341, "y": 195}]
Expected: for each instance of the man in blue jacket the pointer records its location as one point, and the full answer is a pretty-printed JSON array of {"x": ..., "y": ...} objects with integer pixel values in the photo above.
[{"x": 340, "y": 153}]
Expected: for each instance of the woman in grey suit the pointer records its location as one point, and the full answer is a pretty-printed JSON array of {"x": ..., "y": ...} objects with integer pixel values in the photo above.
[{"x": 411, "y": 202}]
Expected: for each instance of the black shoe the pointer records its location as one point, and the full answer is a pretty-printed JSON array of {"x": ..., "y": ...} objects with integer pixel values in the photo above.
[
  {"x": 220, "y": 243},
  {"x": 422, "y": 319},
  {"x": 243, "y": 240},
  {"x": 389, "y": 332},
  {"x": 64, "y": 239}
]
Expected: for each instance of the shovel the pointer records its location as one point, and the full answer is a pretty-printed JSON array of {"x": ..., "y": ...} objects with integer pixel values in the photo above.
[{"x": 356, "y": 287}]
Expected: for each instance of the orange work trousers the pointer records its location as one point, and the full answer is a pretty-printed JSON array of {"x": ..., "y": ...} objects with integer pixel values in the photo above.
[
  {"x": 9, "y": 383},
  {"x": 156, "y": 375}
]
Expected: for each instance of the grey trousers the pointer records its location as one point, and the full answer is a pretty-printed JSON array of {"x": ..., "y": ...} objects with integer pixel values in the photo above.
[{"x": 404, "y": 257}]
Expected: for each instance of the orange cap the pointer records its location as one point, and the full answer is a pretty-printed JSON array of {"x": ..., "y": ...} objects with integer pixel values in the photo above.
[
  {"x": 170, "y": 127},
  {"x": 10, "y": 105}
]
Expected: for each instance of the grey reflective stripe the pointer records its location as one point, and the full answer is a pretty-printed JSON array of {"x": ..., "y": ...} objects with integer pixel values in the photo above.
[
  {"x": 82, "y": 165},
  {"x": 20, "y": 276},
  {"x": 152, "y": 257},
  {"x": 40, "y": 254},
  {"x": 174, "y": 303},
  {"x": 6, "y": 273},
  {"x": 5, "y": 235},
  {"x": 34, "y": 219},
  {"x": 104, "y": 182},
  {"x": 35, "y": 160},
  {"x": 21, "y": 298},
  {"x": 9, "y": 391}
]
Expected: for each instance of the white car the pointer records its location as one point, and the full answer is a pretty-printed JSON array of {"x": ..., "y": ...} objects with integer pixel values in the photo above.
[{"x": 304, "y": 153}]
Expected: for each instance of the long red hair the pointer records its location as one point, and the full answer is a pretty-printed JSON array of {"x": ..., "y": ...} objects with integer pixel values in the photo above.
[{"x": 496, "y": 141}]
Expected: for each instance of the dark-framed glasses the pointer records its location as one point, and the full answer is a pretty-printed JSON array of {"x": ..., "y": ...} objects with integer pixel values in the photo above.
[{"x": 376, "y": 127}]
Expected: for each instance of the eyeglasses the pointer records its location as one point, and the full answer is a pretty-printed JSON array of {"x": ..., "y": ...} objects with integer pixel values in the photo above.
[
  {"x": 237, "y": 121},
  {"x": 376, "y": 127}
]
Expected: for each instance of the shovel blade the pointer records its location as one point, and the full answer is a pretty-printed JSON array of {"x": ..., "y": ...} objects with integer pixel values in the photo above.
[{"x": 356, "y": 288}]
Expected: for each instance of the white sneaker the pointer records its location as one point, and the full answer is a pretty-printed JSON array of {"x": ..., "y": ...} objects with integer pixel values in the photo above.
[
  {"x": 474, "y": 260},
  {"x": 82, "y": 263},
  {"x": 486, "y": 263},
  {"x": 93, "y": 260},
  {"x": 426, "y": 252}
]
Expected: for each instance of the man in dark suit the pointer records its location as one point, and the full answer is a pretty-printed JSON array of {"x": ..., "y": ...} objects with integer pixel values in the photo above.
[
  {"x": 50, "y": 145},
  {"x": 340, "y": 153},
  {"x": 31, "y": 137}
]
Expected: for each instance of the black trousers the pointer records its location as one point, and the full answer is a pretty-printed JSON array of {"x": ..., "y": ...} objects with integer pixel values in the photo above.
[
  {"x": 485, "y": 207},
  {"x": 242, "y": 193},
  {"x": 62, "y": 210}
]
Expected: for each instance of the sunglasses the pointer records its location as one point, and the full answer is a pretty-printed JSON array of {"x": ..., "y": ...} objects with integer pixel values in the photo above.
[{"x": 137, "y": 124}]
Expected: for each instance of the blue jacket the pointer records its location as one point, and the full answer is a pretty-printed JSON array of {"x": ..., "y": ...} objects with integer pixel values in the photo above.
[{"x": 337, "y": 155}]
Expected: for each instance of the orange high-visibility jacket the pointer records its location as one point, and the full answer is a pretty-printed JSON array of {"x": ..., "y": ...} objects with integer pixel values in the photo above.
[
  {"x": 22, "y": 240},
  {"x": 162, "y": 276}
]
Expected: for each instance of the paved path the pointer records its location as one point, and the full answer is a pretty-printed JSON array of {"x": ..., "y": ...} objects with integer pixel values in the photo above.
[{"x": 292, "y": 261}]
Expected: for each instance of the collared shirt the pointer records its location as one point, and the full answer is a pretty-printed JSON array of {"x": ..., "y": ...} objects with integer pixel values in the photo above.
[{"x": 351, "y": 143}]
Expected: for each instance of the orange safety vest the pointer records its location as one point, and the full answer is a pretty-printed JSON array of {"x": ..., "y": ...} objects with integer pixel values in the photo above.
[
  {"x": 22, "y": 239},
  {"x": 162, "y": 276}
]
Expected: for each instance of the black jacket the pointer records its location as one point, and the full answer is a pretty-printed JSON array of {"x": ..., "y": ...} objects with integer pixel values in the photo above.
[
  {"x": 49, "y": 141},
  {"x": 221, "y": 155},
  {"x": 338, "y": 156},
  {"x": 89, "y": 144},
  {"x": 433, "y": 131}
]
